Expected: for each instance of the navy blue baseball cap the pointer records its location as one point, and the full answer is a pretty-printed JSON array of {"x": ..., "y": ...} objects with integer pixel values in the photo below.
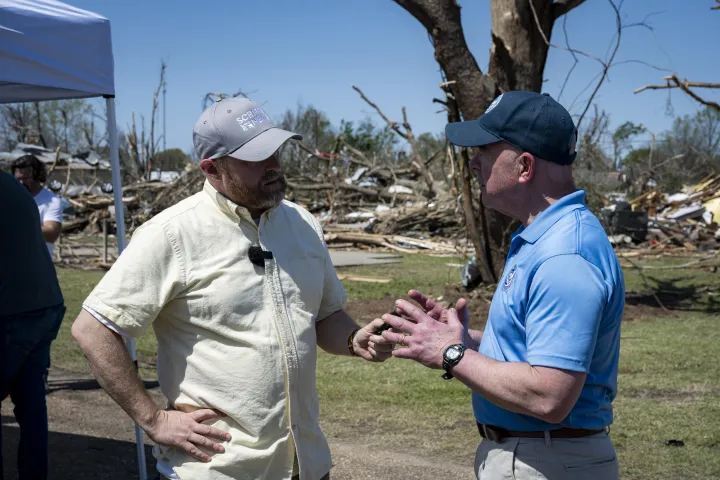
[{"x": 531, "y": 122}]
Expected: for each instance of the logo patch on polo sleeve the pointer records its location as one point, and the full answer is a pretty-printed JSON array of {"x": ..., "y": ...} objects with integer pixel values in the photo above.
[{"x": 509, "y": 278}]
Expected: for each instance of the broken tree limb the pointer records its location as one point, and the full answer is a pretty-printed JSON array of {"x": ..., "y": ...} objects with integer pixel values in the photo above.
[
  {"x": 387, "y": 241},
  {"x": 391, "y": 124},
  {"x": 417, "y": 161},
  {"x": 362, "y": 278},
  {"x": 374, "y": 240},
  {"x": 370, "y": 192},
  {"x": 699, "y": 263},
  {"x": 649, "y": 287},
  {"x": 672, "y": 81}
]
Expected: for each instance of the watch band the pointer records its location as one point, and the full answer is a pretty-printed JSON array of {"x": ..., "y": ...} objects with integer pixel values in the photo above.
[
  {"x": 449, "y": 364},
  {"x": 351, "y": 340}
]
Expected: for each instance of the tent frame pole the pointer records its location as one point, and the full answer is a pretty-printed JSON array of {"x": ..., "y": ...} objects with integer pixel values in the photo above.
[{"x": 120, "y": 235}]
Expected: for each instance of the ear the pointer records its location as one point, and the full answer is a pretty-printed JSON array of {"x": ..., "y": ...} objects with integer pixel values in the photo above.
[
  {"x": 210, "y": 169},
  {"x": 527, "y": 163}
]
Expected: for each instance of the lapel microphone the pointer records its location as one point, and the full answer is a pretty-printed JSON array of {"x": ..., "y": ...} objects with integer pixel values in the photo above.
[{"x": 258, "y": 256}]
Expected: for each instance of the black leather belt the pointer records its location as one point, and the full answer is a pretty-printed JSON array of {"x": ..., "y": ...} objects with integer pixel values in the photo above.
[{"x": 497, "y": 434}]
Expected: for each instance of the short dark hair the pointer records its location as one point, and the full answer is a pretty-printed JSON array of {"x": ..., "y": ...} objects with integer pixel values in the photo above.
[{"x": 38, "y": 167}]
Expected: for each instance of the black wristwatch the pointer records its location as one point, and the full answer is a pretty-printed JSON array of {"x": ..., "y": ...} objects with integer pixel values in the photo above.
[{"x": 451, "y": 357}]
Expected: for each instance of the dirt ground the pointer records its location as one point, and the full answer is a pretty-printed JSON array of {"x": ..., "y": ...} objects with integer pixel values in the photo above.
[
  {"x": 92, "y": 438},
  {"x": 367, "y": 310}
]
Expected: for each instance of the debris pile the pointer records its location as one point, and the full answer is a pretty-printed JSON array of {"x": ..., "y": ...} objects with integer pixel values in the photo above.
[
  {"x": 373, "y": 209},
  {"x": 688, "y": 219}
]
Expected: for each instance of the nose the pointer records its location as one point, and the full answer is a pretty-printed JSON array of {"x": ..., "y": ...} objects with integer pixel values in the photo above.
[
  {"x": 477, "y": 169},
  {"x": 272, "y": 163}
]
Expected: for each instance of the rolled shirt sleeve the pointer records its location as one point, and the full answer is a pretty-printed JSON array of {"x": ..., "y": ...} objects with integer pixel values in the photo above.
[
  {"x": 565, "y": 307},
  {"x": 147, "y": 275},
  {"x": 53, "y": 213},
  {"x": 334, "y": 295}
]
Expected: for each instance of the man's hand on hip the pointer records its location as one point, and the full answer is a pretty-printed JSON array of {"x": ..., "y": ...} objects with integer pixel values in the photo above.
[
  {"x": 370, "y": 346},
  {"x": 185, "y": 431}
]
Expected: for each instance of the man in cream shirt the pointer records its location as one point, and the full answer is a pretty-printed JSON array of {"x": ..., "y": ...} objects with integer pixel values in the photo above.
[{"x": 239, "y": 288}]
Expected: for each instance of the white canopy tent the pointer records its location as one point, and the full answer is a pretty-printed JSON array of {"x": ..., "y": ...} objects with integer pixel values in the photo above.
[{"x": 50, "y": 51}]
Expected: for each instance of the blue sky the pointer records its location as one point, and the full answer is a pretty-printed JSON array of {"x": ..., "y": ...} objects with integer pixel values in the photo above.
[{"x": 312, "y": 51}]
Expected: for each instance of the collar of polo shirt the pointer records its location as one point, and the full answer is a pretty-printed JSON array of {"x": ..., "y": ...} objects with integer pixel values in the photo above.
[{"x": 551, "y": 215}]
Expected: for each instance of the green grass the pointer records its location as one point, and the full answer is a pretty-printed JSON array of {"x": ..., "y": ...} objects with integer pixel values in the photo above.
[
  {"x": 669, "y": 389},
  {"x": 76, "y": 286},
  {"x": 688, "y": 288},
  {"x": 429, "y": 274},
  {"x": 669, "y": 382}
]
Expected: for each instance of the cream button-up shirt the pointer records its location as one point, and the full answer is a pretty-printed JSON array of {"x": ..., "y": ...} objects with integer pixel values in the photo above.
[{"x": 231, "y": 335}]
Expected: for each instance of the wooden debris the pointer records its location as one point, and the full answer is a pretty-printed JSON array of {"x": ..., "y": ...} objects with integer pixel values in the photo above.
[
  {"x": 686, "y": 220},
  {"x": 360, "y": 278}
]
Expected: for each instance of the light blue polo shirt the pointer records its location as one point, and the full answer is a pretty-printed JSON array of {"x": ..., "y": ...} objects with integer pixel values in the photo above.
[{"x": 559, "y": 304}]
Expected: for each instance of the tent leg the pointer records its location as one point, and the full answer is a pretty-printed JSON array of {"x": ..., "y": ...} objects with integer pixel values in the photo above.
[
  {"x": 120, "y": 235},
  {"x": 116, "y": 179}
]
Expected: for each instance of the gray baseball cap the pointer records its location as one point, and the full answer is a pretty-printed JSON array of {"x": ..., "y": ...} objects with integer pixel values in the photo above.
[{"x": 239, "y": 128}]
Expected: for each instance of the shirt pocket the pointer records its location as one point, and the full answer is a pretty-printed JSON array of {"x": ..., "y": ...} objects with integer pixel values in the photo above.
[{"x": 308, "y": 275}]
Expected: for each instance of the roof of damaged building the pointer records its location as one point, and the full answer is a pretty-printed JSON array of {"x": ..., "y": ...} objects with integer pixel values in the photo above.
[{"x": 86, "y": 160}]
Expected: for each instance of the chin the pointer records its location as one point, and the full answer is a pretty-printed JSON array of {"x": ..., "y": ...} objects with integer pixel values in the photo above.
[
  {"x": 274, "y": 199},
  {"x": 486, "y": 200},
  {"x": 490, "y": 203}
]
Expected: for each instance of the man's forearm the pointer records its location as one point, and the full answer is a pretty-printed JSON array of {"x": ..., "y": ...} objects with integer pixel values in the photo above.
[
  {"x": 516, "y": 386},
  {"x": 51, "y": 231},
  {"x": 111, "y": 364},
  {"x": 473, "y": 339},
  {"x": 333, "y": 332}
]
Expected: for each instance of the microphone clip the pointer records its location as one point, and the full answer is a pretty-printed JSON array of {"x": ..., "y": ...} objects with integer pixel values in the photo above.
[{"x": 258, "y": 256}]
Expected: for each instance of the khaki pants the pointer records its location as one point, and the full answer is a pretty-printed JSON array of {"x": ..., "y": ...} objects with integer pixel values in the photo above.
[{"x": 587, "y": 458}]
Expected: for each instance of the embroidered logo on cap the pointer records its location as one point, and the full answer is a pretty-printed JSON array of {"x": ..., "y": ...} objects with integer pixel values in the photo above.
[
  {"x": 252, "y": 118},
  {"x": 494, "y": 103}
]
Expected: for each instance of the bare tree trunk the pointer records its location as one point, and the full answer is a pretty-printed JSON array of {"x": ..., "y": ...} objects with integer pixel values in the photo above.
[
  {"x": 145, "y": 151},
  {"x": 520, "y": 37},
  {"x": 518, "y": 52},
  {"x": 38, "y": 124},
  {"x": 472, "y": 89},
  {"x": 152, "y": 147},
  {"x": 66, "y": 121}
]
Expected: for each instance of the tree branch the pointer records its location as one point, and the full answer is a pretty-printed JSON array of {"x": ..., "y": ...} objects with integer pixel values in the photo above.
[
  {"x": 417, "y": 161},
  {"x": 562, "y": 7},
  {"x": 618, "y": 20},
  {"x": 674, "y": 82},
  {"x": 442, "y": 21},
  {"x": 390, "y": 123}
]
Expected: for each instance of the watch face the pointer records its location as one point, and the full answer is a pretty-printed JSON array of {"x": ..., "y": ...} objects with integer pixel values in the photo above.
[{"x": 452, "y": 354}]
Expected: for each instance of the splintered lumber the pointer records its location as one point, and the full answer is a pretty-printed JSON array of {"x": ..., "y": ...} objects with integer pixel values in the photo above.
[
  {"x": 421, "y": 243},
  {"x": 361, "y": 278},
  {"x": 394, "y": 242},
  {"x": 145, "y": 186},
  {"x": 365, "y": 239},
  {"x": 370, "y": 192},
  {"x": 442, "y": 218},
  {"x": 82, "y": 204},
  {"x": 76, "y": 224}
]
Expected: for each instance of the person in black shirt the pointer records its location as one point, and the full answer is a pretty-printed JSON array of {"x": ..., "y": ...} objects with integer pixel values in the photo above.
[{"x": 31, "y": 311}]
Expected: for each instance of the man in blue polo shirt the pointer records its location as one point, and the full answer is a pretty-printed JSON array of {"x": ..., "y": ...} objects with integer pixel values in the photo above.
[{"x": 544, "y": 371}]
